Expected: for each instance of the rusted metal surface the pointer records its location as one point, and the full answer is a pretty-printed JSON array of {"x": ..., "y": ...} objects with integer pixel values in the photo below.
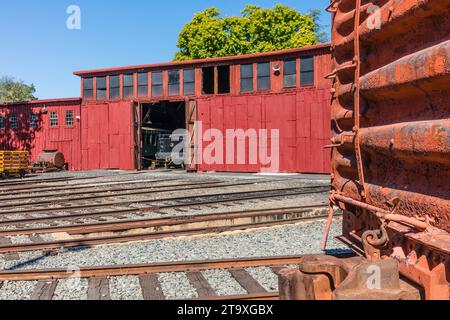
[
  {"x": 391, "y": 134},
  {"x": 182, "y": 201},
  {"x": 52, "y": 157},
  {"x": 33, "y": 182},
  {"x": 98, "y": 278},
  {"x": 49, "y": 160},
  {"x": 97, "y": 190},
  {"x": 128, "y": 270},
  {"x": 68, "y": 215},
  {"x": 127, "y": 192},
  {"x": 248, "y": 297},
  {"x": 323, "y": 277},
  {"x": 145, "y": 229},
  {"x": 306, "y": 212}
]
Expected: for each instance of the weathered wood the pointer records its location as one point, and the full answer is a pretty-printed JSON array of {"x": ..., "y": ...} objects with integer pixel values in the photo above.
[
  {"x": 200, "y": 284},
  {"x": 98, "y": 289},
  {"x": 36, "y": 239},
  {"x": 44, "y": 290},
  {"x": 8, "y": 256},
  {"x": 247, "y": 281},
  {"x": 151, "y": 288}
]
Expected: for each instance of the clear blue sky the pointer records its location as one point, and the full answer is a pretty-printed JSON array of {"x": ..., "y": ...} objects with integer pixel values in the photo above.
[{"x": 36, "y": 46}]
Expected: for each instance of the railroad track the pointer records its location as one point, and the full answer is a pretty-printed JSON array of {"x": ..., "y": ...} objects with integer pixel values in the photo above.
[
  {"x": 26, "y": 181},
  {"x": 105, "y": 186},
  {"x": 101, "y": 188},
  {"x": 146, "y": 229},
  {"x": 109, "y": 193},
  {"x": 99, "y": 279},
  {"x": 70, "y": 215},
  {"x": 180, "y": 201},
  {"x": 139, "y": 212},
  {"x": 75, "y": 186}
]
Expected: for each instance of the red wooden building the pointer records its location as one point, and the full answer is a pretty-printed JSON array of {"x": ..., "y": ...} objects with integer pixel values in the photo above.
[{"x": 105, "y": 128}]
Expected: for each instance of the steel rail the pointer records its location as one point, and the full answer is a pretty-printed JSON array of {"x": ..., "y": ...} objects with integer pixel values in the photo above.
[
  {"x": 119, "y": 226},
  {"x": 133, "y": 237},
  {"x": 75, "y": 186},
  {"x": 100, "y": 184},
  {"x": 267, "y": 296},
  {"x": 33, "y": 181},
  {"x": 141, "y": 269},
  {"x": 128, "y": 202},
  {"x": 62, "y": 179},
  {"x": 40, "y": 181},
  {"x": 135, "y": 191},
  {"x": 139, "y": 211},
  {"x": 13, "y": 195}
]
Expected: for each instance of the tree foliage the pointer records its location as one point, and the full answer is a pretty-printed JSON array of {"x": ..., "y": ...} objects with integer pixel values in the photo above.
[
  {"x": 209, "y": 34},
  {"x": 14, "y": 91}
]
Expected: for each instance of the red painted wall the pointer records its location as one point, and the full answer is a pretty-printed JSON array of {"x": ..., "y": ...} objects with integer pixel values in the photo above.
[
  {"x": 101, "y": 139},
  {"x": 62, "y": 137},
  {"x": 107, "y": 136},
  {"x": 302, "y": 117},
  {"x": 104, "y": 136}
]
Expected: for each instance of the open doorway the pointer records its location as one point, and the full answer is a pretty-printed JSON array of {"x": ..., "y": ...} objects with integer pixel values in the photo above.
[{"x": 158, "y": 121}]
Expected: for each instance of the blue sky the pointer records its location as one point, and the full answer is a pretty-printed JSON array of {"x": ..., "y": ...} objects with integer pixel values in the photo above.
[{"x": 36, "y": 46}]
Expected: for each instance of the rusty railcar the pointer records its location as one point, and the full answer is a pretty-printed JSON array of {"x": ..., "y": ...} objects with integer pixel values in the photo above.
[{"x": 391, "y": 153}]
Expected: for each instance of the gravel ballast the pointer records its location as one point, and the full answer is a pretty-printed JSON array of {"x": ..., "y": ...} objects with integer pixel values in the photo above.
[
  {"x": 71, "y": 289},
  {"x": 303, "y": 238},
  {"x": 266, "y": 277},
  {"x": 176, "y": 286},
  {"x": 17, "y": 290},
  {"x": 223, "y": 283},
  {"x": 298, "y": 239},
  {"x": 125, "y": 288}
]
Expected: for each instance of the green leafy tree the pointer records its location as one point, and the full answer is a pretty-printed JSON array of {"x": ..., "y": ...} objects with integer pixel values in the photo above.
[
  {"x": 322, "y": 36},
  {"x": 13, "y": 91},
  {"x": 209, "y": 34}
]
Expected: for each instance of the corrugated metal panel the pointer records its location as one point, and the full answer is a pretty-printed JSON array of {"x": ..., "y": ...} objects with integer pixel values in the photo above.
[
  {"x": 391, "y": 121},
  {"x": 300, "y": 116}
]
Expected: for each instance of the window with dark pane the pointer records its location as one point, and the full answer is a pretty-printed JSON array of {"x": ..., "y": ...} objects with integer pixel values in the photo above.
[
  {"x": 88, "y": 88},
  {"x": 307, "y": 71},
  {"x": 174, "y": 83},
  {"x": 290, "y": 73},
  {"x": 128, "y": 86},
  {"x": 264, "y": 76},
  {"x": 114, "y": 87},
  {"x": 189, "y": 82},
  {"x": 69, "y": 118},
  {"x": 157, "y": 84},
  {"x": 53, "y": 119},
  {"x": 223, "y": 77},
  {"x": 33, "y": 120},
  {"x": 247, "y": 78},
  {"x": 2, "y": 122},
  {"x": 101, "y": 88},
  {"x": 13, "y": 121},
  {"x": 208, "y": 80},
  {"x": 143, "y": 84}
]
